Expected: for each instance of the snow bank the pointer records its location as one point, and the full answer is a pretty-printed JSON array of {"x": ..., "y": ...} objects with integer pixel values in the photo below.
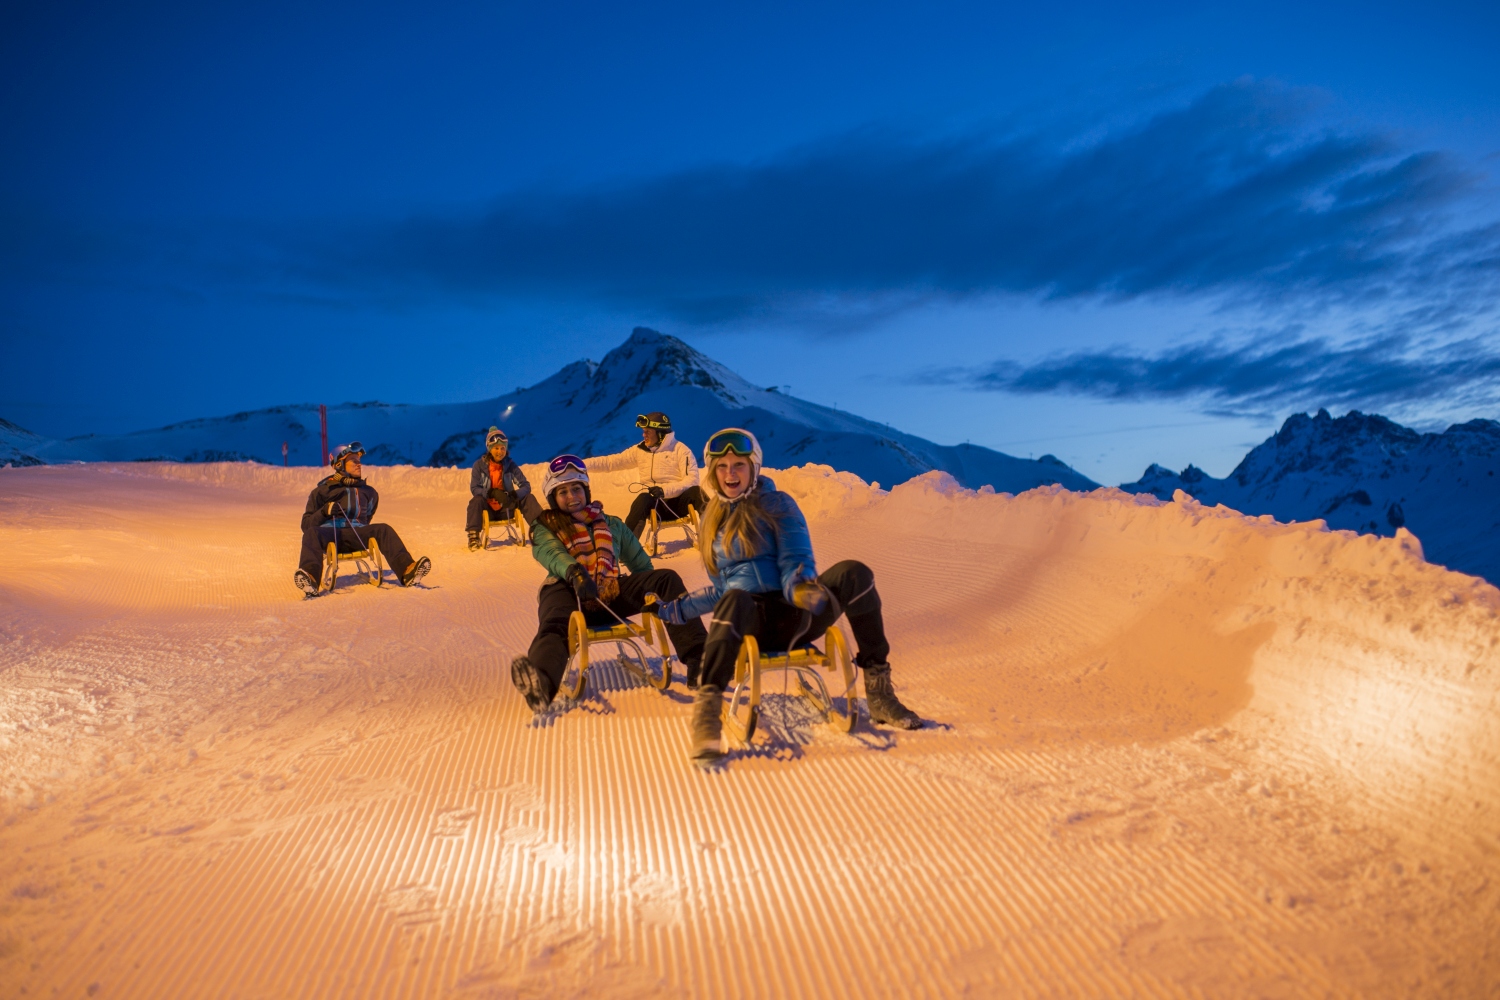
[{"x": 1175, "y": 751}]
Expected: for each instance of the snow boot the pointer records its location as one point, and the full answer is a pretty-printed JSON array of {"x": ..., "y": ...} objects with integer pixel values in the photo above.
[
  {"x": 530, "y": 682},
  {"x": 474, "y": 542},
  {"x": 416, "y": 571},
  {"x": 708, "y": 704},
  {"x": 305, "y": 583},
  {"x": 881, "y": 700}
]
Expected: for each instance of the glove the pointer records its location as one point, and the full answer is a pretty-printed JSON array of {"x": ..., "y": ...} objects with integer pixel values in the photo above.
[
  {"x": 810, "y": 596},
  {"x": 657, "y": 492},
  {"x": 671, "y": 613},
  {"x": 329, "y": 508},
  {"x": 497, "y": 495},
  {"x": 583, "y": 585}
]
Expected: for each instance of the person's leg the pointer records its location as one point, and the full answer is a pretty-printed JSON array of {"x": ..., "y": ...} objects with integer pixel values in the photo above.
[
  {"x": 639, "y": 509},
  {"x": 853, "y": 586},
  {"x": 474, "y": 521},
  {"x": 530, "y": 508},
  {"x": 314, "y": 543},
  {"x": 688, "y": 639},
  {"x": 391, "y": 548},
  {"x": 549, "y": 650},
  {"x": 734, "y": 617},
  {"x": 737, "y": 615},
  {"x": 678, "y": 505}
]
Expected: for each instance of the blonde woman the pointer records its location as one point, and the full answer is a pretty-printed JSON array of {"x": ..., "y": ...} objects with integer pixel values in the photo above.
[{"x": 763, "y": 582}]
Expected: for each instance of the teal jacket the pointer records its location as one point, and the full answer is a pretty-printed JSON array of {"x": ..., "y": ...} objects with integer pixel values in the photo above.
[{"x": 548, "y": 549}]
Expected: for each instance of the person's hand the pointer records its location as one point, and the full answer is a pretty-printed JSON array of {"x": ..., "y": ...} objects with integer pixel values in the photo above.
[
  {"x": 670, "y": 612},
  {"x": 657, "y": 492},
  {"x": 810, "y": 596},
  {"x": 583, "y": 585},
  {"x": 330, "y": 507}
]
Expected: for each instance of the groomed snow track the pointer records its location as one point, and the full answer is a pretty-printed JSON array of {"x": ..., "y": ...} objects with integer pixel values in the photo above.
[{"x": 1176, "y": 752}]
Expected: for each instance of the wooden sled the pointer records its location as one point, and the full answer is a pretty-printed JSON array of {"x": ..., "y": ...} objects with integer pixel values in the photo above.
[
  {"x": 627, "y": 639},
  {"x": 515, "y": 529},
  {"x": 366, "y": 560},
  {"x": 651, "y": 537},
  {"x": 743, "y": 711}
]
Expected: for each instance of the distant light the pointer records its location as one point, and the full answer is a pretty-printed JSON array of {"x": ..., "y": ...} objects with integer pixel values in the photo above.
[{"x": 512, "y": 406}]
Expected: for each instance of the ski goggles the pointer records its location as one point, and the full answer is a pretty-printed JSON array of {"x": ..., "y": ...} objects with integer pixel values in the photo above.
[
  {"x": 494, "y": 436},
  {"x": 645, "y": 421},
  {"x": 562, "y": 462},
  {"x": 343, "y": 451},
  {"x": 724, "y": 442}
]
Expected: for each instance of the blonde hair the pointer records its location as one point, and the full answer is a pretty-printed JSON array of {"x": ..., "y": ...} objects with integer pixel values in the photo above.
[{"x": 744, "y": 523}]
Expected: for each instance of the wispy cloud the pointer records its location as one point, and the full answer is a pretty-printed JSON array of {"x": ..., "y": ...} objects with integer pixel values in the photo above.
[
  {"x": 1388, "y": 372},
  {"x": 1238, "y": 193}
]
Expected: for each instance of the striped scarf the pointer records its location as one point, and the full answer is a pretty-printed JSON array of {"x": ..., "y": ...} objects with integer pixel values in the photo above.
[{"x": 588, "y": 540}]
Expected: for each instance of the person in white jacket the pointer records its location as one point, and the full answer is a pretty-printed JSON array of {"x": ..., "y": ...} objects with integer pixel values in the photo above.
[{"x": 667, "y": 471}]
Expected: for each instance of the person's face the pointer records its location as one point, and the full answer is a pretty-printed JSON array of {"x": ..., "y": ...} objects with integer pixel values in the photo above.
[
  {"x": 498, "y": 450},
  {"x": 733, "y": 473},
  {"x": 352, "y": 466},
  {"x": 571, "y": 497},
  {"x": 651, "y": 436}
]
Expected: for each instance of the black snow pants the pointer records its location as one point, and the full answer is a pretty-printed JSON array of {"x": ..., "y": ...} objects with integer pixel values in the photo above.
[
  {"x": 668, "y": 509},
  {"x": 775, "y": 622},
  {"x": 478, "y": 505},
  {"x": 316, "y": 538},
  {"x": 557, "y": 602}
]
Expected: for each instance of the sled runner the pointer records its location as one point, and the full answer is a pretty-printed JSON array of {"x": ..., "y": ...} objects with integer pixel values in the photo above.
[
  {"x": 627, "y": 638},
  {"x": 651, "y": 538},
  {"x": 515, "y": 529},
  {"x": 366, "y": 560},
  {"x": 743, "y": 711}
]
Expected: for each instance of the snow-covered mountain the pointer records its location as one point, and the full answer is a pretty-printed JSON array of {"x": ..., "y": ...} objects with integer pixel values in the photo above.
[
  {"x": 588, "y": 408},
  {"x": 1369, "y": 474},
  {"x": 18, "y": 446}
]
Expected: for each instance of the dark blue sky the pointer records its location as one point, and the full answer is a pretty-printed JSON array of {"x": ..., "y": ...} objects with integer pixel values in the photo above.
[{"x": 1117, "y": 235}]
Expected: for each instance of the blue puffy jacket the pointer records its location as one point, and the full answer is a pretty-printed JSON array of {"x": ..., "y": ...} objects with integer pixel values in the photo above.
[{"x": 786, "y": 562}]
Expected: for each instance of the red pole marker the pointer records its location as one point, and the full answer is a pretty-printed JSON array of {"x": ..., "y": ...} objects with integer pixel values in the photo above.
[
  {"x": 283, "y": 454},
  {"x": 323, "y": 420}
]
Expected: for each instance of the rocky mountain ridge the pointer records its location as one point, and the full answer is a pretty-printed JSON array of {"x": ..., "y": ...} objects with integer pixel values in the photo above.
[{"x": 1366, "y": 473}]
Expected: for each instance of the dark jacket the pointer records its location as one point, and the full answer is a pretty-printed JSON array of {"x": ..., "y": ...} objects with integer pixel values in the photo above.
[
  {"x": 340, "y": 501},
  {"x": 512, "y": 479}
]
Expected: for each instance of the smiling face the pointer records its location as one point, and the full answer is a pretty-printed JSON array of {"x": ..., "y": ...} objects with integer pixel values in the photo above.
[
  {"x": 498, "y": 450},
  {"x": 732, "y": 474},
  {"x": 651, "y": 436},
  {"x": 352, "y": 466},
  {"x": 571, "y": 497}
]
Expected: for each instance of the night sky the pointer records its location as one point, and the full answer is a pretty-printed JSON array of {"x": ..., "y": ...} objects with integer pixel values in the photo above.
[{"x": 1120, "y": 233}]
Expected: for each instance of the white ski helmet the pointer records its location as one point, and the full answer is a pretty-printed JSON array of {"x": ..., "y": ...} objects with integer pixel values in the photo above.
[
  {"x": 730, "y": 439},
  {"x": 564, "y": 469}
]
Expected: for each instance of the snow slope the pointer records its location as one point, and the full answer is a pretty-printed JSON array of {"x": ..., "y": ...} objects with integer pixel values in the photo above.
[
  {"x": 1175, "y": 752},
  {"x": 1368, "y": 474},
  {"x": 586, "y": 408}
]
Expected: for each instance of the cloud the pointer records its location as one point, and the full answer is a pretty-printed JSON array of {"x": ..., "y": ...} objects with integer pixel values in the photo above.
[
  {"x": 1387, "y": 372},
  {"x": 1238, "y": 193}
]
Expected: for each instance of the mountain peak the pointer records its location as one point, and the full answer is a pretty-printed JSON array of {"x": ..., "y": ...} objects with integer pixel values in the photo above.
[{"x": 652, "y": 360}]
